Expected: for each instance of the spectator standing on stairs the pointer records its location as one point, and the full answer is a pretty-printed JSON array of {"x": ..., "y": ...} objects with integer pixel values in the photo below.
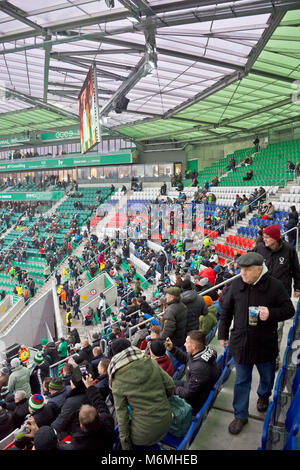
[{"x": 253, "y": 341}]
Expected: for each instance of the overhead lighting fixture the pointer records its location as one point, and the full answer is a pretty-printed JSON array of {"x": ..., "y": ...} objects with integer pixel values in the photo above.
[{"x": 121, "y": 104}]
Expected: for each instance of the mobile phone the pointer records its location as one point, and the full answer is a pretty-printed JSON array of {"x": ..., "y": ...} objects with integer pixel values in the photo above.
[{"x": 83, "y": 371}]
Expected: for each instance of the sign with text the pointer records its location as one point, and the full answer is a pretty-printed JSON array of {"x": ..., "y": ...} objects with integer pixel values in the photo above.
[{"x": 66, "y": 162}]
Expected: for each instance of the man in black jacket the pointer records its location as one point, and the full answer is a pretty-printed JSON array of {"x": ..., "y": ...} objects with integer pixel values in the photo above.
[
  {"x": 21, "y": 409},
  {"x": 174, "y": 317},
  {"x": 201, "y": 372},
  {"x": 281, "y": 258},
  {"x": 96, "y": 423},
  {"x": 194, "y": 303},
  {"x": 253, "y": 342},
  {"x": 85, "y": 353}
]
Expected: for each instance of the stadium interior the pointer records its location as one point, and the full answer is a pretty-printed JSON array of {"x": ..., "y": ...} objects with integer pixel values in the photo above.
[{"x": 194, "y": 104}]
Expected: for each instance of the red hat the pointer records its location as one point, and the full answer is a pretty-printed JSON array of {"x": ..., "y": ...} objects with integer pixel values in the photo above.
[{"x": 273, "y": 231}]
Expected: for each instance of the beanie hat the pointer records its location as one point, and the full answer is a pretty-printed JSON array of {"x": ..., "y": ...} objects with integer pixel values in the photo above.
[
  {"x": 44, "y": 342},
  {"x": 15, "y": 362},
  {"x": 45, "y": 438},
  {"x": 273, "y": 231},
  {"x": 208, "y": 300},
  {"x": 56, "y": 384},
  {"x": 38, "y": 358},
  {"x": 157, "y": 347},
  {"x": 36, "y": 402}
]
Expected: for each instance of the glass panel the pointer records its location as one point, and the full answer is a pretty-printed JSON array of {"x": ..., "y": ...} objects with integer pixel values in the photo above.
[
  {"x": 155, "y": 170},
  {"x": 138, "y": 171},
  {"x": 100, "y": 172},
  {"x": 165, "y": 169},
  {"x": 124, "y": 171},
  {"x": 148, "y": 171},
  {"x": 94, "y": 175},
  {"x": 111, "y": 172}
]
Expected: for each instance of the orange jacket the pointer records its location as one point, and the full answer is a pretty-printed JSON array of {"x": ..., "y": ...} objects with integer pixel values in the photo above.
[{"x": 63, "y": 295}]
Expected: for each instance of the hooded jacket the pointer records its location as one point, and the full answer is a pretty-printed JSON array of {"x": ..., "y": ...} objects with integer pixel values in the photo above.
[
  {"x": 254, "y": 344},
  {"x": 201, "y": 375},
  {"x": 195, "y": 307},
  {"x": 20, "y": 380},
  {"x": 144, "y": 386},
  {"x": 207, "y": 322}
]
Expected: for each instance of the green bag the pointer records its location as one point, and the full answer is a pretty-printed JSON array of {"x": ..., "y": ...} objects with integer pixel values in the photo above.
[{"x": 182, "y": 416}]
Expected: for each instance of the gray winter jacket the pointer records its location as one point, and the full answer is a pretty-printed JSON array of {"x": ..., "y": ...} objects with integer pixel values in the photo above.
[{"x": 20, "y": 380}]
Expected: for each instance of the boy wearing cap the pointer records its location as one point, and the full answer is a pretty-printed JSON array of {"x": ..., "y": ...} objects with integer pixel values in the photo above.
[
  {"x": 157, "y": 351},
  {"x": 253, "y": 344},
  {"x": 39, "y": 370}
]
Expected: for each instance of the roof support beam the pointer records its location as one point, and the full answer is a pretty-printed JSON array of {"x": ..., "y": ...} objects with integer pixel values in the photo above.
[
  {"x": 223, "y": 123},
  {"x": 46, "y": 70},
  {"x": 36, "y": 102},
  {"x": 20, "y": 15},
  {"x": 212, "y": 13}
]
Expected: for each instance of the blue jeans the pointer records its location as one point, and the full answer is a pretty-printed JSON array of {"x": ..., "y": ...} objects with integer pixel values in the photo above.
[{"x": 243, "y": 382}]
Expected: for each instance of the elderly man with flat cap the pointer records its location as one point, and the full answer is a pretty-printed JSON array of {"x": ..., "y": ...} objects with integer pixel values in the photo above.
[{"x": 253, "y": 337}]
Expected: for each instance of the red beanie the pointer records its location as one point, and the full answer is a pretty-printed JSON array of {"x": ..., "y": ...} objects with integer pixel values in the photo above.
[{"x": 273, "y": 231}]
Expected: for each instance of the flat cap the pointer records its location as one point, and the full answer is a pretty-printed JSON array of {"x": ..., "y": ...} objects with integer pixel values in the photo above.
[
  {"x": 173, "y": 291},
  {"x": 250, "y": 259}
]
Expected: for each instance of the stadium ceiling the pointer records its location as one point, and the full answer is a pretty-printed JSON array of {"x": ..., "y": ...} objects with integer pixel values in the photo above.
[{"x": 193, "y": 70}]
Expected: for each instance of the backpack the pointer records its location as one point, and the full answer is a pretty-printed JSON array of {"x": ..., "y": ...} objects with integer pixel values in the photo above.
[{"x": 182, "y": 416}]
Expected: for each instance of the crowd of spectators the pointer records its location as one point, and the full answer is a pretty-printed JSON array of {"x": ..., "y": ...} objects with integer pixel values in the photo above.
[{"x": 85, "y": 400}]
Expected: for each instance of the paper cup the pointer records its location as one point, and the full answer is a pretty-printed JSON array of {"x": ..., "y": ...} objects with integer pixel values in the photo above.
[{"x": 253, "y": 315}]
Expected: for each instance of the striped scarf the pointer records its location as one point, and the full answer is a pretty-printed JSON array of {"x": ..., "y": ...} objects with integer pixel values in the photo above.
[{"x": 122, "y": 359}]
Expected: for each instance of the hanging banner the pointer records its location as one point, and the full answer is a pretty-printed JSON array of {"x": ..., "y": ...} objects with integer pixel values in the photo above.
[
  {"x": 38, "y": 196},
  {"x": 66, "y": 162}
]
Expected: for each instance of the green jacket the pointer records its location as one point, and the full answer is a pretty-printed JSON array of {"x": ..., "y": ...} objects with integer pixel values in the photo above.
[
  {"x": 144, "y": 387},
  {"x": 19, "y": 379},
  {"x": 207, "y": 322},
  {"x": 63, "y": 349}
]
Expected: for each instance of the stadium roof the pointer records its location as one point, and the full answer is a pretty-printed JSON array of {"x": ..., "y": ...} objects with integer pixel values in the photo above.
[{"x": 192, "y": 70}]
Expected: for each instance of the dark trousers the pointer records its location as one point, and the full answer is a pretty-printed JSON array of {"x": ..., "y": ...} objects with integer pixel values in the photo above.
[{"x": 242, "y": 386}]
